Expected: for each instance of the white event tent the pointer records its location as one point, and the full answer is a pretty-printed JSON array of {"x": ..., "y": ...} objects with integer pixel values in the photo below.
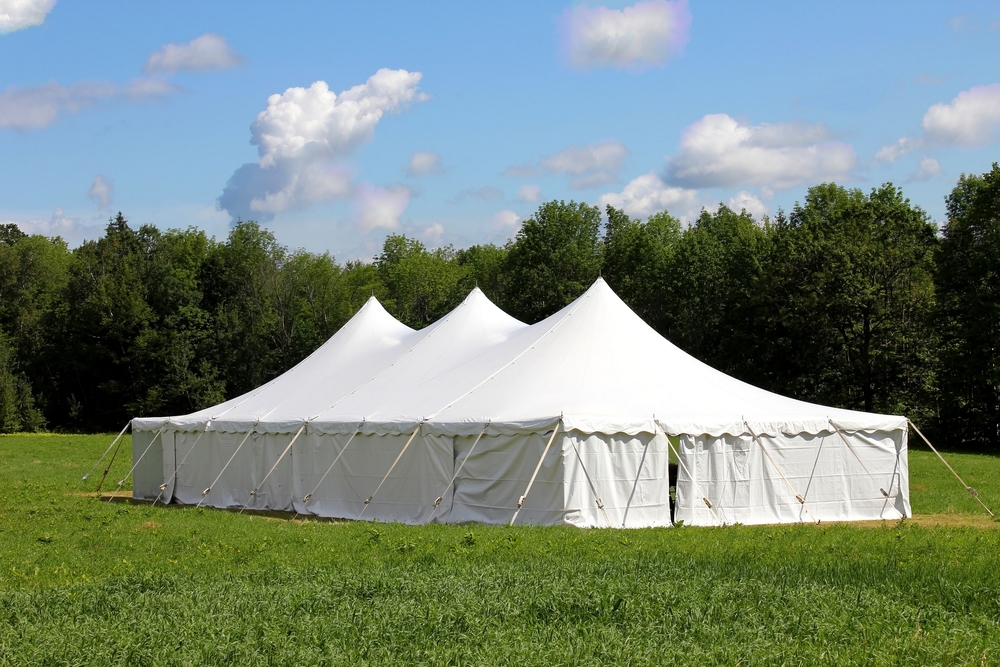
[{"x": 480, "y": 417}]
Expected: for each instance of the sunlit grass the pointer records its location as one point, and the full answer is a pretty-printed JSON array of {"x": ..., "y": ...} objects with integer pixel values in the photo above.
[{"x": 88, "y": 582}]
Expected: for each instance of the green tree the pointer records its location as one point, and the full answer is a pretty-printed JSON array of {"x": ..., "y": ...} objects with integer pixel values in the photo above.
[
  {"x": 421, "y": 285},
  {"x": 554, "y": 258},
  {"x": 637, "y": 261},
  {"x": 850, "y": 299},
  {"x": 968, "y": 284}
]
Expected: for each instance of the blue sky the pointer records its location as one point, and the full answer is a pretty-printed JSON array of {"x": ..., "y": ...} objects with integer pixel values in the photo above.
[{"x": 457, "y": 119}]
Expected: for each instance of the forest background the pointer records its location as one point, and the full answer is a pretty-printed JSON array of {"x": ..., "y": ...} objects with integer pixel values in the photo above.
[{"x": 851, "y": 299}]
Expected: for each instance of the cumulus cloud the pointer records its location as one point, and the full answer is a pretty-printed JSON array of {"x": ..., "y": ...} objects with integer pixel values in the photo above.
[
  {"x": 719, "y": 151},
  {"x": 20, "y": 14},
  {"x": 643, "y": 35},
  {"x": 423, "y": 163},
  {"x": 749, "y": 202},
  {"x": 521, "y": 171},
  {"x": 590, "y": 166},
  {"x": 380, "y": 208},
  {"x": 648, "y": 194},
  {"x": 304, "y": 138},
  {"x": 207, "y": 52},
  {"x": 485, "y": 193},
  {"x": 971, "y": 119},
  {"x": 529, "y": 193},
  {"x": 102, "y": 191},
  {"x": 927, "y": 169},
  {"x": 33, "y": 107},
  {"x": 505, "y": 219}
]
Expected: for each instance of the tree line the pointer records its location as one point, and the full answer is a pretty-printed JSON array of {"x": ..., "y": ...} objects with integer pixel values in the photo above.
[{"x": 853, "y": 299}]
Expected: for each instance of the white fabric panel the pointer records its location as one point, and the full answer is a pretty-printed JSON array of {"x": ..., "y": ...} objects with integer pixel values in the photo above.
[
  {"x": 613, "y": 464},
  {"x": 497, "y": 474},
  {"x": 194, "y": 453},
  {"x": 148, "y": 473},
  {"x": 745, "y": 487},
  {"x": 237, "y": 480},
  {"x": 408, "y": 494}
]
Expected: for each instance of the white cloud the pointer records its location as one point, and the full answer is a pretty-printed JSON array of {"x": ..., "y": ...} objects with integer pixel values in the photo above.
[
  {"x": 521, "y": 171},
  {"x": 485, "y": 193},
  {"x": 590, "y": 166},
  {"x": 719, "y": 151},
  {"x": 380, "y": 207},
  {"x": 33, "y": 107},
  {"x": 423, "y": 163},
  {"x": 972, "y": 23},
  {"x": 207, "y": 52},
  {"x": 70, "y": 229},
  {"x": 529, "y": 193},
  {"x": 927, "y": 169},
  {"x": 304, "y": 138},
  {"x": 433, "y": 235},
  {"x": 746, "y": 201},
  {"x": 20, "y": 14},
  {"x": 893, "y": 152},
  {"x": 971, "y": 119},
  {"x": 643, "y": 35},
  {"x": 505, "y": 219},
  {"x": 102, "y": 191},
  {"x": 648, "y": 194}
]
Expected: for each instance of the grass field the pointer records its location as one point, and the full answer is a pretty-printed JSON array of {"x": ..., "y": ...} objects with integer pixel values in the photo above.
[{"x": 86, "y": 582}]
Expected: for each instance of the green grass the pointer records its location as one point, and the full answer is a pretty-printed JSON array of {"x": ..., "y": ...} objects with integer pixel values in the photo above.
[{"x": 86, "y": 582}]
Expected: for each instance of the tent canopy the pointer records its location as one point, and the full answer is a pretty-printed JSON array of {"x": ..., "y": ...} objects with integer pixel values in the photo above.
[{"x": 594, "y": 364}]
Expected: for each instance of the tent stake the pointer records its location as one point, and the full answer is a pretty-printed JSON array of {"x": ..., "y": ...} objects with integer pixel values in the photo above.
[
  {"x": 437, "y": 501},
  {"x": 204, "y": 494},
  {"x": 538, "y": 467},
  {"x": 98, "y": 461},
  {"x": 401, "y": 452},
  {"x": 309, "y": 495},
  {"x": 254, "y": 492},
  {"x": 972, "y": 491}
]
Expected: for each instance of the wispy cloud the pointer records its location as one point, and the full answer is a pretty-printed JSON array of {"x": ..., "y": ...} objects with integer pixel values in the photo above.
[
  {"x": 423, "y": 163},
  {"x": 207, "y": 52},
  {"x": 637, "y": 37},
  {"x": 590, "y": 166},
  {"x": 102, "y": 191}
]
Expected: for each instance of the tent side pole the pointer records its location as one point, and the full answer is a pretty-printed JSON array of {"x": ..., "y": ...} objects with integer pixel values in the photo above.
[
  {"x": 135, "y": 465},
  {"x": 437, "y": 501},
  {"x": 399, "y": 456},
  {"x": 177, "y": 468},
  {"x": 885, "y": 494},
  {"x": 680, "y": 461},
  {"x": 635, "y": 484},
  {"x": 538, "y": 467},
  {"x": 254, "y": 492},
  {"x": 204, "y": 494},
  {"x": 798, "y": 496},
  {"x": 600, "y": 503},
  {"x": 972, "y": 491},
  {"x": 309, "y": 495},
  {"x": 98, "y": 461}
]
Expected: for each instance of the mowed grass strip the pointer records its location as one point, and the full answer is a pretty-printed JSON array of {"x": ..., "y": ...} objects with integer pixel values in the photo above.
[{"x": 88, "y": 582}]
